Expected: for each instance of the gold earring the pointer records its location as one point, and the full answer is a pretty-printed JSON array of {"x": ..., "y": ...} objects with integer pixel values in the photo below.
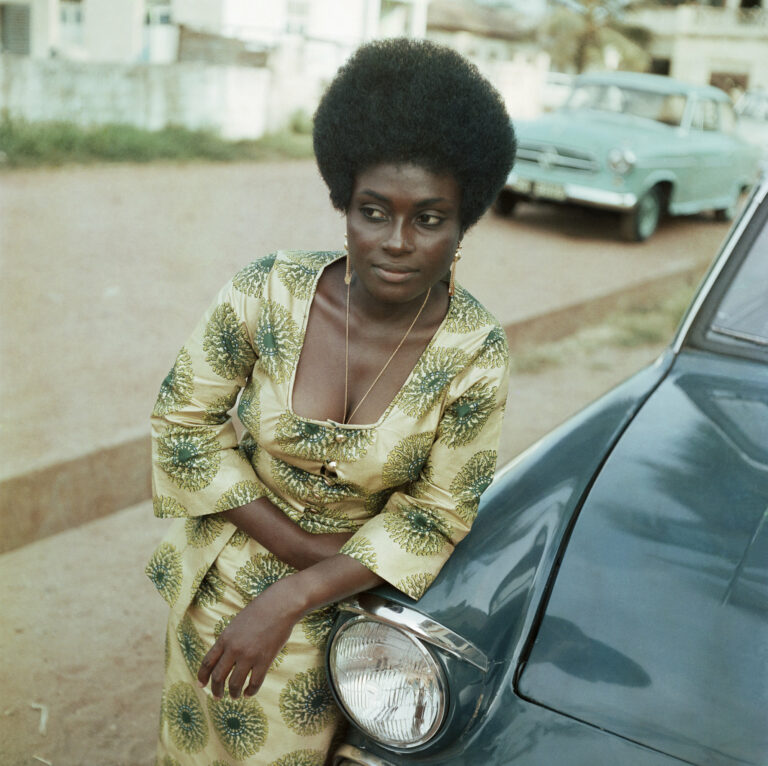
[
  {"x": 348, "y": 267},
  {"x": 452, "y": 283}
]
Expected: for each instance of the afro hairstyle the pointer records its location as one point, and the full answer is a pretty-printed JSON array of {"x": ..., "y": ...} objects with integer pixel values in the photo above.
[{"x": 414, "y": 102}]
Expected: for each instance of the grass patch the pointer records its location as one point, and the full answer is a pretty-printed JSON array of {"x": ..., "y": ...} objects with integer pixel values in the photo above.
[
  {"x": 642, "y": 325},
  {"x": 32, "y": 144}
]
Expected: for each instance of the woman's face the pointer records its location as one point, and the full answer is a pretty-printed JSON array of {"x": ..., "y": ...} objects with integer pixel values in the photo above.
[{"x": 403, "y": 229}]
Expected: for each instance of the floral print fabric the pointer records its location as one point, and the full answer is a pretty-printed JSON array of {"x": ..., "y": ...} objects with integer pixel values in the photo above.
[{"x": 408, "y": 486}]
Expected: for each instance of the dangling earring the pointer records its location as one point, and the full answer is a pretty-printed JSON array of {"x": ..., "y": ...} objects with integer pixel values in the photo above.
[
  {"x": 348, "y": 271},
  {"x": 456, "y": 259}
]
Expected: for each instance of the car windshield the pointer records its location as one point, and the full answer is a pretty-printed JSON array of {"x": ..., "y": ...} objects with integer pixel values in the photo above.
[
  {"x": 661, "y": 107},
  {"x": 742, "y": 315}
]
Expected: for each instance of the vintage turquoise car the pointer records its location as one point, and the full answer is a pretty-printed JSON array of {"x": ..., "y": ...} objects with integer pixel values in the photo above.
[
  {"x": 640, "y": 144},
  {"x": 610, "y": 605}
]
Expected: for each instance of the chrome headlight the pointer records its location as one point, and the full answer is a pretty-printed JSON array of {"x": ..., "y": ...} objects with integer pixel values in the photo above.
[
  {"x": 388, "y": 682},
  {"x": 621, "y": 160}
]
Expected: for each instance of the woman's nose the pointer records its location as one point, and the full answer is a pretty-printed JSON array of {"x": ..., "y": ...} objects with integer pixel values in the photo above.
[{"x": 398, "y": 239}]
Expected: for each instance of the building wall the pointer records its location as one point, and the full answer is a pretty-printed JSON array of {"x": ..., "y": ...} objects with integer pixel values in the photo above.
[
  {"x": 43, "y": 25},
  {"x": 697, "y": 59},
  {"x": 229, "y": 100},
  {"x": 113, "y": 31},
  {"x": 700, "y": 41}
]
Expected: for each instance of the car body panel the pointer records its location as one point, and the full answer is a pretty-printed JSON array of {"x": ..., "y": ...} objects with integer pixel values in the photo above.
[
  {"x": 614, "y": 589},
  {"x": 654, "y": 554},
  {"x": 699, "y": 169},
  {"x": 517, "y": 733},
  {"x": 524, "y": 516}
]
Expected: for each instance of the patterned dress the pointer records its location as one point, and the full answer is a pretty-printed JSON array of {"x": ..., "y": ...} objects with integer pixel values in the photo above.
[{"x": 407, "y": 485}]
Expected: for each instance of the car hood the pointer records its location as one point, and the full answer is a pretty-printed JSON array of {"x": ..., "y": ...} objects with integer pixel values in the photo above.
[
  {"x": 656, "y": 627},
  {"x": 592, "y": 130},
  {"x": 488, "y": 591}
]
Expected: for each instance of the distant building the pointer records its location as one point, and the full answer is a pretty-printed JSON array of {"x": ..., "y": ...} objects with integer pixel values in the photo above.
[
  {"x": 483, "y": 33},
  {"x": 721, "y": 42}
]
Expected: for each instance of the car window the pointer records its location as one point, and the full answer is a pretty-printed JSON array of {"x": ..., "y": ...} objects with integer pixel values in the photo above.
[
  {"x": 704, "y": 115},
  {"x": 661, "y": 107},
  {"x": 727, "y": 117},
  {"x": 742, "y": 315}
]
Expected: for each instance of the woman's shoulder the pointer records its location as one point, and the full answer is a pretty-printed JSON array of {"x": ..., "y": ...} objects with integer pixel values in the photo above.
[
  {"x": 296, "y": 269},
  {"x": 468, "y": 316}
]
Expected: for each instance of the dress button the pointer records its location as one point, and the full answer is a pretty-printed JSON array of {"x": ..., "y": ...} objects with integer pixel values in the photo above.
[{"x": 340, "y": 438}]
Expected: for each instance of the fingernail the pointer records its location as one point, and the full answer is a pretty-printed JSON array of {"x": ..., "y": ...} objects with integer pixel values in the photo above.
[{"x": 201, "y": 684}]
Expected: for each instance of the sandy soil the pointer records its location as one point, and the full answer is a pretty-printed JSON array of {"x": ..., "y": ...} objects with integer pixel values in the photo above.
[{"x": 82, "y": 629}]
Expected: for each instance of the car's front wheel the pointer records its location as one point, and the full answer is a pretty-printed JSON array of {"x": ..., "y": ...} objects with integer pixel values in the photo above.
[
  {"x": 639, "y": 223},
  {"x": 505, "y": 203}
]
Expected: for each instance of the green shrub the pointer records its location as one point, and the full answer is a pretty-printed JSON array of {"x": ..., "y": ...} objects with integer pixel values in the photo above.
[{"x": 25, "y": 144}]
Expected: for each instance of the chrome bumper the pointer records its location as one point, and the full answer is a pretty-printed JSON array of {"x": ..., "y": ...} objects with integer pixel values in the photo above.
[
  {"x": 347, "y": 755},
  {"x": 568, "y": 192}
]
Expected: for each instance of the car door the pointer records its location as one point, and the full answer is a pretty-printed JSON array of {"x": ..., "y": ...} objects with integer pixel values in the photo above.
[{"x": 714, "y": 180}]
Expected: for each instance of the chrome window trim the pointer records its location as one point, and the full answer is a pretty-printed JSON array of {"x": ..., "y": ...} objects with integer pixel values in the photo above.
[
  {"x": 357, "y": 756},
  {"x": 439, "y": 673},
  {"x": 713, "y": 274},
  {"x": 425, "y": 628}
]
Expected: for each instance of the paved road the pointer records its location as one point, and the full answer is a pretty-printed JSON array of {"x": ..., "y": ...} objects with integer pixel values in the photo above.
[{"x": 105, "y": 270}]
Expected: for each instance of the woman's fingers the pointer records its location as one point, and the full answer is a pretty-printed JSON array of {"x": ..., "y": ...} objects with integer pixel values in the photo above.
[
  {"x": 219, "y": 675},
  {"x": 237, "y": 679},
  {"x": 209, "y": 662},
  {"x": 257, "y": 679}
]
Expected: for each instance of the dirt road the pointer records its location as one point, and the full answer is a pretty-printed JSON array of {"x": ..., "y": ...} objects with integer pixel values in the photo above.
[{"x": 104, "y": 271}]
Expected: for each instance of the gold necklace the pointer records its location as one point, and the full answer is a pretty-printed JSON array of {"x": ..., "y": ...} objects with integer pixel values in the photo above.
[{"x": 347, "y": 418}]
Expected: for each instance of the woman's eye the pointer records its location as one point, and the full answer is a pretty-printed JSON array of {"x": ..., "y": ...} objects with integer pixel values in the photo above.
[
  {"x": 372, "y": 213},
  {"x": 429, "y": 219}
]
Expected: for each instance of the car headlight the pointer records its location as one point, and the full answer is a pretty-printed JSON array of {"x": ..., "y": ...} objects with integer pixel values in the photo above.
[
  {"x": 388, "y": 682},
  {"x": 621, "y": 160}
]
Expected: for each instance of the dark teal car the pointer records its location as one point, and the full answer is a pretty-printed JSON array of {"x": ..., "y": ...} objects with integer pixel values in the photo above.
[
  {"x": 610, "y": 607},
  {"x": 640, "y": 144}
]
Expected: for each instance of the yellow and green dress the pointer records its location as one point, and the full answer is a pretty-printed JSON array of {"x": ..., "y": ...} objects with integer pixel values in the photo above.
[{"x": 408, "y": 485}]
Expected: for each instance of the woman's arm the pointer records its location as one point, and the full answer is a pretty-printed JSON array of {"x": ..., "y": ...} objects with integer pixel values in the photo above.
[
  {"x": 249, "y": 644},
  {"x": 265, "y": 522}
]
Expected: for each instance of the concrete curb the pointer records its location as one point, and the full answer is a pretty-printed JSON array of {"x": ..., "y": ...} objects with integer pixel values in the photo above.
[{"x": 50, "y": 500}]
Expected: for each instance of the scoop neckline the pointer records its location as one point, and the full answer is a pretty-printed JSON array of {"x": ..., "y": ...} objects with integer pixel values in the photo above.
[{"x": 304, "y": 323}]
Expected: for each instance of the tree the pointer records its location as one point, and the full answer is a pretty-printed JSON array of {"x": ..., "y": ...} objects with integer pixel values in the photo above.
[{"x": 587, "y": 34}]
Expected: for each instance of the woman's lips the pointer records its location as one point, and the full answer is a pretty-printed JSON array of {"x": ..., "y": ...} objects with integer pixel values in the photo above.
[{"x": 392, "y": 275}]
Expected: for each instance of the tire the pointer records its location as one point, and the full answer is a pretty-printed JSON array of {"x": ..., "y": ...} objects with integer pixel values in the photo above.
[
  {"x": 505, "y": 203},
  {"x": 726, "y": 213},
  {"x": 640, "y": 222}
]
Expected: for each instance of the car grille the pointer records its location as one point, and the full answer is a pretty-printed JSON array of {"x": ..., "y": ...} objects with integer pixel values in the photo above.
[{"x": 549, "y": 156}]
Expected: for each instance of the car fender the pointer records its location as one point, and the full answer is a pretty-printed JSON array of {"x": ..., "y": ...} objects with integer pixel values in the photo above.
[{"x": 493, "y": 589}]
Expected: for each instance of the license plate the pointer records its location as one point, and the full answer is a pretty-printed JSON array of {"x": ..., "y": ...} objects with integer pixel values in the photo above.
[
  {"x": 549, "y": 191},
  {"x": 522, "y": 185}
]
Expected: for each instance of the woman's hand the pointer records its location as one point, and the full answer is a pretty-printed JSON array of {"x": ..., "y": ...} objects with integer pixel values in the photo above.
[{"x": 250, "y": 643}]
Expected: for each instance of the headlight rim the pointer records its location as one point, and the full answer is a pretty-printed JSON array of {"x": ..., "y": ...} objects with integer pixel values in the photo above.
[{"x": 431, "y": 659}]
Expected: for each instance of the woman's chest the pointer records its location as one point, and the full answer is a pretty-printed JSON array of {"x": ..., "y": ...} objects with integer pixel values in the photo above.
[{"x": 340, "y": 459}]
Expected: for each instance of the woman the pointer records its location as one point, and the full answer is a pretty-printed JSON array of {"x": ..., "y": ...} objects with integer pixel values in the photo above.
[{"x": 372, "y": 390}]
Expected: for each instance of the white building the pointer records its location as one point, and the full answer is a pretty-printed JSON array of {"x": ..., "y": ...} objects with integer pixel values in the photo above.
[
  {"x": 725, "y": 45},
  {"x": 239, "y": 67}
]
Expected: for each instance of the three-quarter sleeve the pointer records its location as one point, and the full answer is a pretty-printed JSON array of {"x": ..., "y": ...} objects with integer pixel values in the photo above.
[
  {"x": 197, "y": 468},
  {"x": 411, "y": 539}
]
